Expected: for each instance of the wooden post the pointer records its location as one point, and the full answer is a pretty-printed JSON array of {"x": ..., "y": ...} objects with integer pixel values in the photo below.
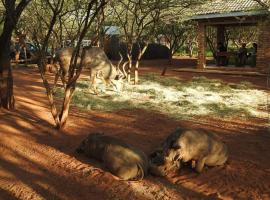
[
  {"x": 263, "y": 51},
  {"x": 201, "y": 46},
  {"x": 221, "y": 34}
]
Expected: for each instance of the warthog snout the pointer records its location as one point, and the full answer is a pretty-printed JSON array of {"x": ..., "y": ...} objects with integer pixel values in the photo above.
[
  {"x": 157, "y": 158},
  {"x": 197, "y": 145},
  {"x": 81, "y": 148},
  {"x": 162, "y": 163}
]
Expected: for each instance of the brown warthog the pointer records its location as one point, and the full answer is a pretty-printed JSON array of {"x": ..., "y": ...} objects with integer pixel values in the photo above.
[
  {"x": 183, "y": 145},
  {"x": 94, "y": 59},
  {"x": 121, "y": 159}
]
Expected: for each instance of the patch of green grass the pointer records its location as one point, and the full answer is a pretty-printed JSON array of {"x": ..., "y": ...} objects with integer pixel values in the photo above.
[
  {"x": 214, "y": 85},
  {"x": 82, "y": 85},
  {"x": 92, "y": 102},
  {"x": 147, "y": 106},
  {"x": 183, "y": 103},
  {"x": 244, "y": 85},
  {"x": 164, "y": 81},
  {"x": 151, "y": 92},
  {"x": 222, "y": 110}
]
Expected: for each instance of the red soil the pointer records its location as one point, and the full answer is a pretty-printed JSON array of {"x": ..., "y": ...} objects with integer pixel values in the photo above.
[{"x": 39, "y": 162}]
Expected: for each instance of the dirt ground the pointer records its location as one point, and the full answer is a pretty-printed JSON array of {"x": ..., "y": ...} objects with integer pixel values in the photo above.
[{"x": 38, "y": 162}]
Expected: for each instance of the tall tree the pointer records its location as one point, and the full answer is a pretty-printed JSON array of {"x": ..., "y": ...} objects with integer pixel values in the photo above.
[
  {"x": 56, "y": 11},
  {"x": 175, "y": 35},
  {"x": 13, "y": 10},
  {"x": 137, "y": 20},
  {"x": 242, "y": 34}
]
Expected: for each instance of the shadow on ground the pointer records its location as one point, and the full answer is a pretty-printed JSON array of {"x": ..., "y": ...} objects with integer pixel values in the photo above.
[{"x": 39, "y": 162}]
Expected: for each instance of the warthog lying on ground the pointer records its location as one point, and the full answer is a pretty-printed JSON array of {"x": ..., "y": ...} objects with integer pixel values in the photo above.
[
  {"x": 183, "y": 145},
  {"x": 95, "y": 59},
  {"x": 121, "y": 159}
]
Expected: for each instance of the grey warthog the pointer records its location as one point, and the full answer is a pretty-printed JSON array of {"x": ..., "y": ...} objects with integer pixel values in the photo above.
[
  {"x": 94, "y": 59},
  {"x": 183, "y": 145},
  {"x": 121, "y": 159}
]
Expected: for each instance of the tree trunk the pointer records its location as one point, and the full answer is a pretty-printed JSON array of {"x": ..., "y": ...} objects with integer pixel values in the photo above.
[
  {"x": 190, "y": 51},
  {"x": 164, "y": 71},
  {"x": 17, "y": 57},
  {"x": 7, "y": 100},
  {"x": 6, "y": 79},
  {"x": 25, "y": 55},
  {"x": 166, "y": 66},
  {"x": 65, "y": 108},
  {"x": 42, "y": 65},
  {"x": 171, "y": 58},
  {"x": 136, "y": 73},
  {"x": 129, "y": 67}
]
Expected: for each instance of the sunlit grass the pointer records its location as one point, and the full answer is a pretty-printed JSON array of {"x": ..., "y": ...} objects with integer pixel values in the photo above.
[{"x": 178, "y": 99}]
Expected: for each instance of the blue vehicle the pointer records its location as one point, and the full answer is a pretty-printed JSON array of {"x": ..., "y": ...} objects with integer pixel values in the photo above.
[{"x": 31, "y": 50}]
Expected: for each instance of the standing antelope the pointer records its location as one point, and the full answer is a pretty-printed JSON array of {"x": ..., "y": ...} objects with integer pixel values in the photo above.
[{"x": 96, "y": 60}]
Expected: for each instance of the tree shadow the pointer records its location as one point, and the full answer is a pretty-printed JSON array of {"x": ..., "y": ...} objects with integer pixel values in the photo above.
[
  {"x": 6, "y": 195},
  {"x": 42, "y": 182}
]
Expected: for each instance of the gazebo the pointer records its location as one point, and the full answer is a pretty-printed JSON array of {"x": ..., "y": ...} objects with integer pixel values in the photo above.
[{"x": 226, "y": 13}]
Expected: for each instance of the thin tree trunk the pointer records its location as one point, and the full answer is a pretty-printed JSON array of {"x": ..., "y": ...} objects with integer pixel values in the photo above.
[
  {"x": 166, "y": 66},
  {"x": 171, "y": 59},
  {"x": 42, "y": 66},
  {"x": 191, "y": 51},
  {"x": 136, "y": 73},
  {"x": 129, "y": 67},
  {"x": 164, "y": 70},
  {"x": 17, "y": 57},
  {"x": 65, "y": 108},
  {"x": 136, "y": 78},
  {"x": 25, "y": 55}
]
